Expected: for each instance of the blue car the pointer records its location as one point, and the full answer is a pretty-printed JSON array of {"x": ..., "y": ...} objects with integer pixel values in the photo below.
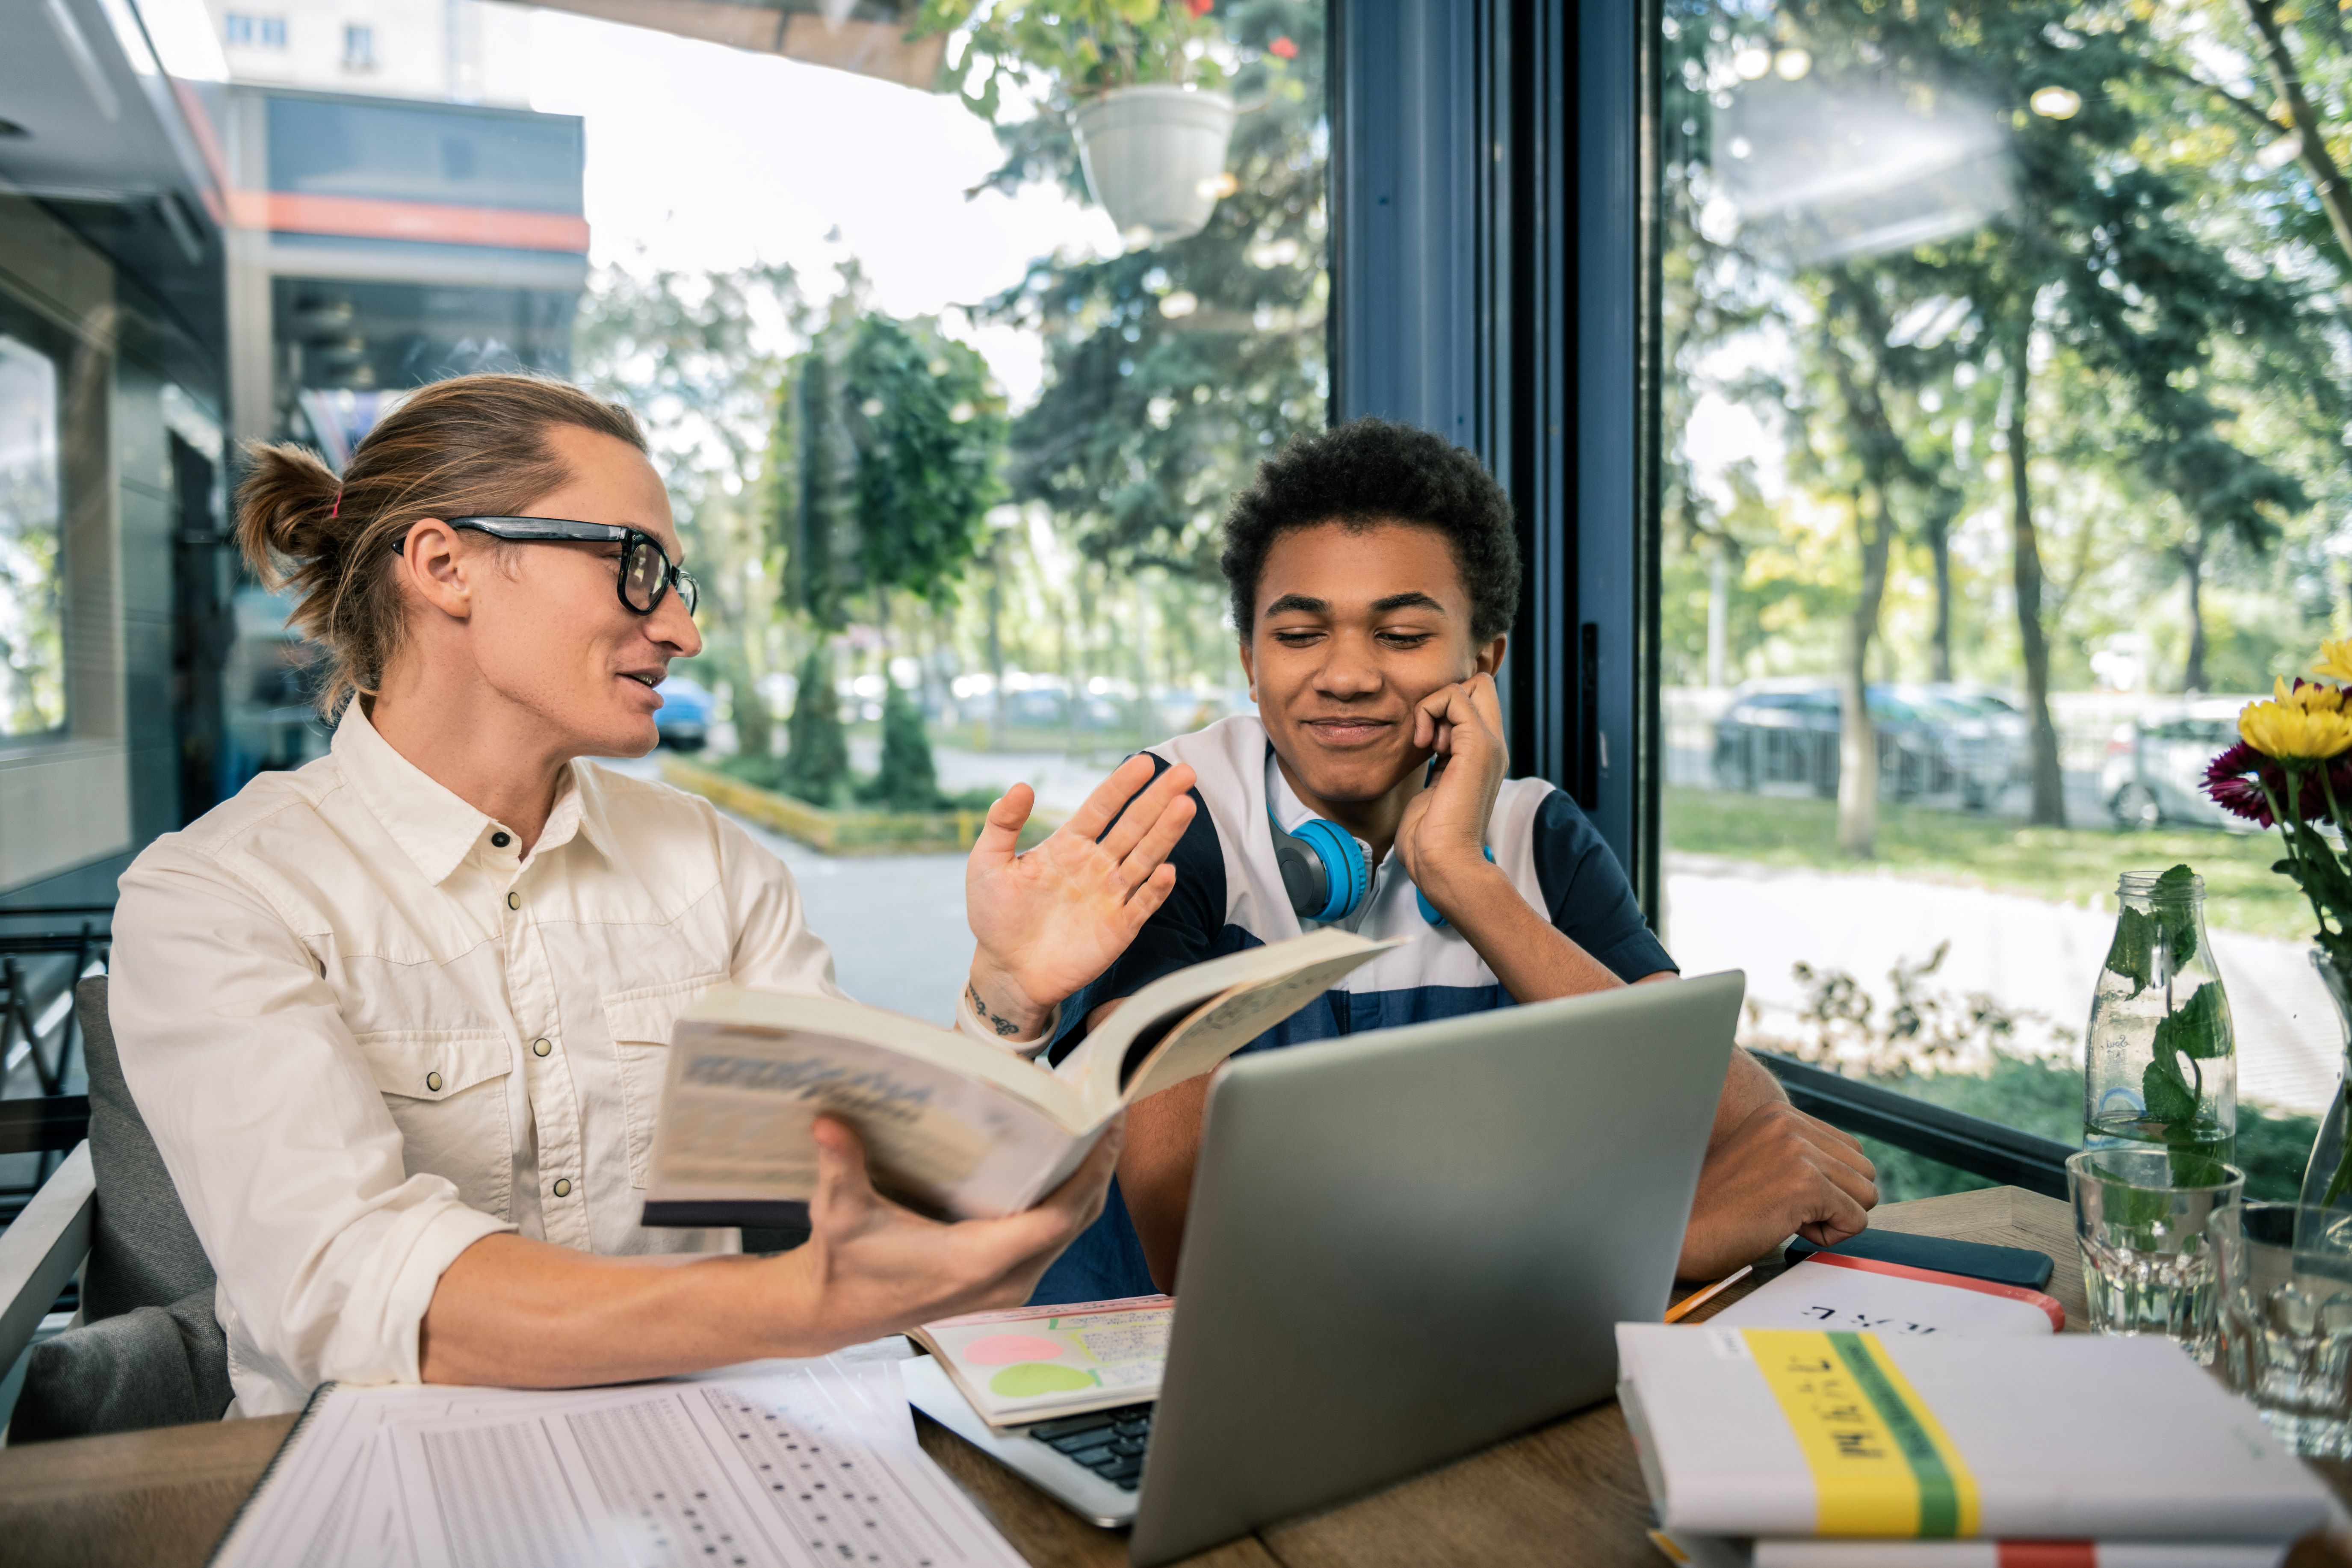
[{"x": 683, "y": 721}]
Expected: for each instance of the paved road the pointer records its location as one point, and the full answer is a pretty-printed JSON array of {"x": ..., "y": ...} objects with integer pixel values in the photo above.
[{"x": 897, "y": 928}]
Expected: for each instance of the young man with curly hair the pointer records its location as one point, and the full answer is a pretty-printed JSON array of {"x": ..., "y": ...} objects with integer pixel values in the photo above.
[{"x": 1375, "y": 573}]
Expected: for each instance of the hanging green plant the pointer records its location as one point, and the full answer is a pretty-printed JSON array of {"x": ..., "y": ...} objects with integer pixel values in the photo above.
[{"x": 1062, "y": 52}]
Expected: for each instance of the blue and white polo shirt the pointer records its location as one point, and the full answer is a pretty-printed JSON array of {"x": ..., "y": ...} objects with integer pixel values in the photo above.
[{"x": 1229, "y": 896}]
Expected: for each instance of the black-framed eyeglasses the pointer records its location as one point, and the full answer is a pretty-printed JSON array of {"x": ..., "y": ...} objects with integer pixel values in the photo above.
[{"x": 645, "y": 570}]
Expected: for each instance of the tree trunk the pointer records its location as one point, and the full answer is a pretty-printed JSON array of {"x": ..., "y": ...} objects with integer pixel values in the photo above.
[
  {"x": 2192, "y": 561},
  {"x": 1718, "y": 614},
  {"x": 755, "y": 730},
  {"x": 2049, "y": 780},
  {"x": 1939, "y": 550},
  {"x": 1857, "y": 815},
  {"x": 996, "y": 647},
  {"x": 2326, "y": 179}
]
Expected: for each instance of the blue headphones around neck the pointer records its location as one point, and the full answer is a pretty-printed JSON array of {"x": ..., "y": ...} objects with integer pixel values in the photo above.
[
  {"x": 1322, "y": 866},
  {"x": 1323, "y": 872}
]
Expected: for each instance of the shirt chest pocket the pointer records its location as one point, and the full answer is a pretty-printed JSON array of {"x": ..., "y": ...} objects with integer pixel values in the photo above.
[
  {"x": 641, "y": 1022},
  {"x": 446, "y": 1090}
]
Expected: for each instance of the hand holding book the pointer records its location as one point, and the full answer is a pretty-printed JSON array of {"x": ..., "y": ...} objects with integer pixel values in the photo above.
[{"x": 874, "y": 1264}]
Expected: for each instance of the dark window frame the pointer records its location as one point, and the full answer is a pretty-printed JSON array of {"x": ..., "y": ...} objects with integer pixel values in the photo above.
[
  {"x": 1489, "y": 160},
  {"x": 1496, "y": 271}
]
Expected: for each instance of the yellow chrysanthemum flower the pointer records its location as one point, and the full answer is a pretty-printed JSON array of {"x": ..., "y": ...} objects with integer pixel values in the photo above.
[
  {"x": 2335, "y": 660},
  {"x": 2293, "y": 732},
  {"x": 2311, "y": 697}
]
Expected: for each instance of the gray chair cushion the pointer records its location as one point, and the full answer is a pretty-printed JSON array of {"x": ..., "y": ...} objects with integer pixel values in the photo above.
[
  {"x": 150, "y": 1367},
  {"x": 149, "y": 1352}
]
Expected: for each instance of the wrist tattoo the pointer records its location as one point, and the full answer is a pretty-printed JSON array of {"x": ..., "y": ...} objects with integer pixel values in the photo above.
[{"x": 1005, "y": 1027}]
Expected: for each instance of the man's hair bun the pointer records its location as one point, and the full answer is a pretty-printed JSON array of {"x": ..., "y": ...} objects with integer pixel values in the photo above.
[{"x": 473, "y": 446}]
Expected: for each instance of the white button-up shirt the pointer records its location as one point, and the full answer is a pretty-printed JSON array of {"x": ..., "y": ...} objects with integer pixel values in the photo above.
[{"x": 366, "y": 1031}]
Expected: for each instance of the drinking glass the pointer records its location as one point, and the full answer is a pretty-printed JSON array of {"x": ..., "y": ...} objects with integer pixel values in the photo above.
[
  {"x": 2285, "y": 1331},
  {"x": 2158, "y": 1249}
]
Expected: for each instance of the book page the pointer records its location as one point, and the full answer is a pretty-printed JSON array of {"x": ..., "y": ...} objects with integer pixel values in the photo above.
[
  {"x": 738, "y": 1102},
  {"x": 775, "y": 1012},
  {"x": 1033, "y": 1363},
  {"x": 1098, "y": 1065},
  {"x": 1231, "y": 1021}
]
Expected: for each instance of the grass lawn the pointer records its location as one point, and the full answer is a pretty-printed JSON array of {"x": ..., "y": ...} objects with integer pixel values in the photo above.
[{"x": 2065, "y": 864}]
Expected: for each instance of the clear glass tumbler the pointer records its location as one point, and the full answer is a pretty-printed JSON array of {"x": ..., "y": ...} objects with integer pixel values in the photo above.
[
  {"x": 2286, "y": 1333},
  {"x": 2159, "y": 1254}
]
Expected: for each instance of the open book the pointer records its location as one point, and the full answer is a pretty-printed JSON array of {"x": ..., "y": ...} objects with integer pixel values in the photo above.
[
  {"x": 952, "y": 1126},
  {"x": 1036, "y": 1363}
]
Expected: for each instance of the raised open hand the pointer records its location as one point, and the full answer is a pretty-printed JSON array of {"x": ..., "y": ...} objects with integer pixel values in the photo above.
[{"x": 1051, "y": 920}]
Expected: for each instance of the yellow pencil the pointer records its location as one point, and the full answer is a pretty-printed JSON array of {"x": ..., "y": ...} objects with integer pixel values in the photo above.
[{"x": 1698, "y": 1298}]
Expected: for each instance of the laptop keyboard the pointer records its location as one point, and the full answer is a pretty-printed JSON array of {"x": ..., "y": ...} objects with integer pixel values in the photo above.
[{"x": 1110, "y": 1443}]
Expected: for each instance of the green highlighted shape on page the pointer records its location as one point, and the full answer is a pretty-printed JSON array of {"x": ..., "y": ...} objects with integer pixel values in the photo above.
[
  {"x": 1027, "y": 1379},
  {"x": 1034, "y": 1364}
]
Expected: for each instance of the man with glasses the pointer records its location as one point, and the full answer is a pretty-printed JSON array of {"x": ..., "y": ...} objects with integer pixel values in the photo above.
[{"x": 399, "y": 1019}]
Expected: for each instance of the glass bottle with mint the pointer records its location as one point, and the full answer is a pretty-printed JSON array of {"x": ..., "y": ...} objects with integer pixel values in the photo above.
[{"x": 2161, "y": 1061}]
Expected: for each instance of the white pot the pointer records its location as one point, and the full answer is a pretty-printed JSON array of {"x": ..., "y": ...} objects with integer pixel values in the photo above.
[{"x": 1152, "y": 156}]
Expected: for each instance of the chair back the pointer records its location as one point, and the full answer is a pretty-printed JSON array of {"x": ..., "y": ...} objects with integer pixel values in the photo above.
[
  {"x": 149, "y": 1351},
  {"x": 142, "y": 1251}
]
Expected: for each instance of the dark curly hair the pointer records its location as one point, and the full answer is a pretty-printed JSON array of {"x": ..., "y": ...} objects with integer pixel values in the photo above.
[{"x": 1367, "y": 472}]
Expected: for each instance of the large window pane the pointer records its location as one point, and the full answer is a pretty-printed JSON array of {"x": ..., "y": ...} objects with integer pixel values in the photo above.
[
  {"x": 950, "y": 410},
  {"x": 2005, "y": 432},
  {"x": 32, "y": 543}
]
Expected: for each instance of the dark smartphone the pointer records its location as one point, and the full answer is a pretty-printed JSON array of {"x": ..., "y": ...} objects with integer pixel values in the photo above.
[{"x": 1976, "y": 1260}]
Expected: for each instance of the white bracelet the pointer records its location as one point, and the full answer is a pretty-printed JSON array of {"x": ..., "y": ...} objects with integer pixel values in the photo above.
[{"x": 968, "y": 1020}]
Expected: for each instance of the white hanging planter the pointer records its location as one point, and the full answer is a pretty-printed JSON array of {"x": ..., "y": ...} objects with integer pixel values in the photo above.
[{"x": 1153, "y": 156}]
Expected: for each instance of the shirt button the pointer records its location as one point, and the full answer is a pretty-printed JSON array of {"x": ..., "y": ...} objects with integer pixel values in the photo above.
[
  {"x": 514, "y": 900},
  {"x": 433, "y": 1081},
  {"x": 539, "y": 1047},
  {"x": 563, "y": 1189},
  {"x": 500, "y": 841}
]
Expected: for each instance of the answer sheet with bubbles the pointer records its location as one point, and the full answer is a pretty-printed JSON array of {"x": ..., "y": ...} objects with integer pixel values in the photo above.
[{"x": 773, "y": 1463}]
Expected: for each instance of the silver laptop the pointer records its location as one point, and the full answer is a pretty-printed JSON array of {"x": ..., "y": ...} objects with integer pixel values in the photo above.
[{"x": 1402, "y": 1247}]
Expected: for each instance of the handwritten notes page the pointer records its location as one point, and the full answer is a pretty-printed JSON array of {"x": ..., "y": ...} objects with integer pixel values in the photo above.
[
  {"x": 773, "y": 1463},
  {"x": 1033, "y": 1363},
  {"x": 1865, "y": 1296}
]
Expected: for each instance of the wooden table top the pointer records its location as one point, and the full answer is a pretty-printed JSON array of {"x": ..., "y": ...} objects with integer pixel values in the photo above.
[{"x": 1567, "y": 1491}]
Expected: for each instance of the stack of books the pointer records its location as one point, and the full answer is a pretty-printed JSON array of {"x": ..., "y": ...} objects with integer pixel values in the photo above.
[{"x": 1790, "y": 1447}]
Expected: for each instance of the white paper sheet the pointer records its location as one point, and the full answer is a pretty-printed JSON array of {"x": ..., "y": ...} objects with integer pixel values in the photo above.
[
  {"x": 797, "y": 1463},
  {"x": 1818, "y": 1295}
]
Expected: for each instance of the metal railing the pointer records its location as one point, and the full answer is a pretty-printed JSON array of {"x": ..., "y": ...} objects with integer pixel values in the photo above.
[
  {"x": 1966, "y": 1142},
  {"x": 44, "y": 952}
]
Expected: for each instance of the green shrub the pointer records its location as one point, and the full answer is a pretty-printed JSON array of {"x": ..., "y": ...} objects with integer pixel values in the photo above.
[
  {"x": 817, "y": 759},
  {"x": 907, "y": 781},
  {"x": 1979, "y": 1062}
]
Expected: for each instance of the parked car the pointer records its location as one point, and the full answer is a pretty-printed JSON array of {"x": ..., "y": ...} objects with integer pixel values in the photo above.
[
  {"x": 683, "y": 721},
  {"x": 1982, "y": 734},
  {"x": 1780, "y": 737},
  {"x": 2155, "y": 772}
]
